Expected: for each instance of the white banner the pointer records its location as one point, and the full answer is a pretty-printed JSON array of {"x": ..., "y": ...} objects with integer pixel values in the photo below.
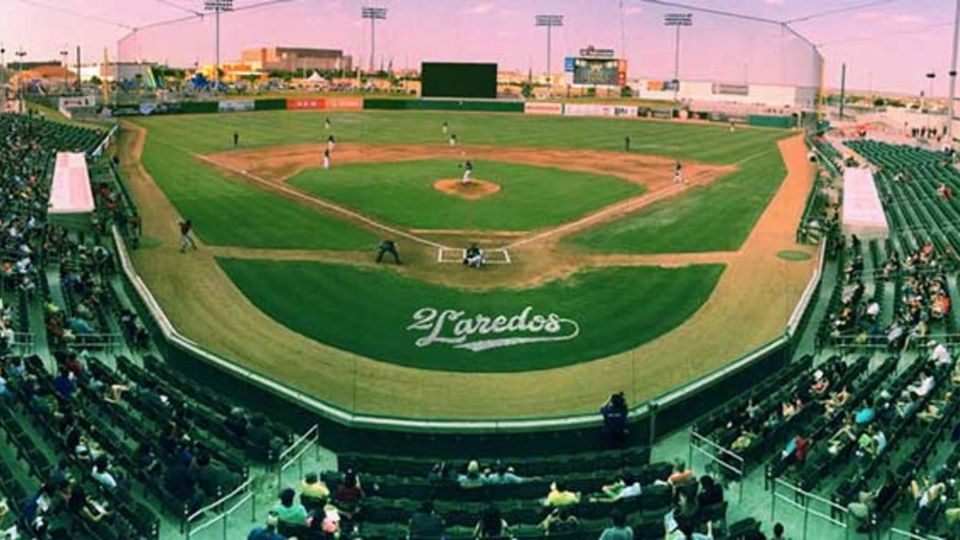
[
  {"x": 235, "y": 106},
  {"x": 583, "y": 109}
]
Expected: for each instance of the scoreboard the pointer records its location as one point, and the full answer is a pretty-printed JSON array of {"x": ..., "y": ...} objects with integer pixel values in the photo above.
[{"x": 597, "y": 67}]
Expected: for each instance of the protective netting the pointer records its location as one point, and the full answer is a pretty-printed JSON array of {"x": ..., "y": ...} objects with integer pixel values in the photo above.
[{"x": 716, "y": 48}]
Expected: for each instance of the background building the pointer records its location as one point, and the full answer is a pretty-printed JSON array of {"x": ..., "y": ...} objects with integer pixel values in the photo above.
[{"x": 294, "y": 59}]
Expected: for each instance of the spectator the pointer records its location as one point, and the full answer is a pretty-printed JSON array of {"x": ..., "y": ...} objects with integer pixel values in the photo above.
[
  {"x": 350, "y": 493},
  {"x": 627, "y": 487},
  {"x": 710, "y": 492},
  {"x": 778, "y": 531},
  {"x": 268, "y": 531},
  {"x": 472, "y": 478},
  {"x": 425, "y": 524},
  {"x": 289, "y": 512},
  {"x": 687, "y": 531},
  {"x": 559, "y": 496},
  {"x": 101, "y": 473},
  {"x": 681, "y": 474},
  {"x": 619, "y": 529},
  {"x": 313, "y": 489},
  {"x": 491, "y": 524},
  {"x": 503, "y": 475},
  {"x": 614, "y": 413},
  {"x": 560, "y": 521}
]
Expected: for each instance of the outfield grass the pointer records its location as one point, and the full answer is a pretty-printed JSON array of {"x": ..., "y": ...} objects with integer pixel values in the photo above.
[
  {"x": 718, "y": 217},
  {"x": 367, "y": 311},
  {"x": 402, "y": 193},
  {"x": 708, "y": 143},
  {"x": 225, "y": 213},
  {"x": 228, "y": 212}
]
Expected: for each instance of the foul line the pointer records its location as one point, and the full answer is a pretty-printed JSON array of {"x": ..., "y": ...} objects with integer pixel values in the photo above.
[
  {"x": 630, "y": 205},
  {"x": 323, "y": 203}
]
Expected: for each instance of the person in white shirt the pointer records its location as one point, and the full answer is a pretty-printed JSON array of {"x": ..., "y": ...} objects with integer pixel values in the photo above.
[
  {"x": 941, "y": 355},
  {"x": 625, "y": 488},
  {"x": 926, "y": 384},
  {"x": 873, "y": 310}
]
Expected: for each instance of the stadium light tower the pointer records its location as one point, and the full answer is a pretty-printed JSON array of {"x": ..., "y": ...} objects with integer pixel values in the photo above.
[
  {"x": 63, "y": 54},
  {"x": 3, "y": 78},
  {"x": 217, "y": 6},
  {"x": 952, "y": 97},
  {"x": 20, "y": 54},
  {"x": 549, "y": 21},
  {"x": 931, "y": 75},
  {"x": 677, "y": 20},
  {"x": 374, "y": 14}
]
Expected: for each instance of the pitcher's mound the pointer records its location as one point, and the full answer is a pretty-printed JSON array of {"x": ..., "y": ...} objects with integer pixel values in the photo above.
[{"x": 475, "y": 189}]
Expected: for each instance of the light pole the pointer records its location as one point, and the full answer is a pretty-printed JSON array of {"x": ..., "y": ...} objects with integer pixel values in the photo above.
[
  {"x": 677, "y": 20},
  {"x": 931, "y": 75},
  {"x": 952, "y": 97},
  {"x": 63, "y": 54},
  {"x": 22, "y": 95},
  {"x": 3, "y": 78},
  {"x": 549, "y": 21},
  {"x": 374, "y": 14},
  {"x": 217, "y": 6}
]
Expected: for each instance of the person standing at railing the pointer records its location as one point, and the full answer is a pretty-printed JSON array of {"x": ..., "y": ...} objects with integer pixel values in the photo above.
[{"x": 268, "y": 531}]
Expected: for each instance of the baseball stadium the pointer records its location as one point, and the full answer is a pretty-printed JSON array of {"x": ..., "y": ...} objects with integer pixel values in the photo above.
[{"x": 617, "y": 269}]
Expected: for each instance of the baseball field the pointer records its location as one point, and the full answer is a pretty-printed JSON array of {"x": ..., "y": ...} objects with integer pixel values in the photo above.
[{"x": 604, "y": 273}]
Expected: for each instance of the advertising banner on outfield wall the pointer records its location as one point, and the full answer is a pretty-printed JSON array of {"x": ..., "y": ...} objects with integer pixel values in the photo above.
[
  {"x": 579, "y": 109},
  {"x": 235, "y": 106},
  {"x": 542, "y": 108},
  {"x": 343, "y": 104},
  {"x": 305, "y": 104}
]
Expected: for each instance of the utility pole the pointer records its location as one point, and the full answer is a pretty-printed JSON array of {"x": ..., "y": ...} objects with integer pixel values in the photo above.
[
  {"x": 3, "y": 78},
  {"x": 677, "y": 20},
  {"x": 374, "y": 14},
  {"x": 549, "y": 21},
  {"x": 63, "y": 54},
  {"x": 217, "y": 6},
  {"x": 843, "y": 88}
]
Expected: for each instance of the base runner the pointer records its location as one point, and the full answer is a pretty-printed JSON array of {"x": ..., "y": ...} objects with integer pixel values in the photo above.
[{"x": 678, "y": 173}]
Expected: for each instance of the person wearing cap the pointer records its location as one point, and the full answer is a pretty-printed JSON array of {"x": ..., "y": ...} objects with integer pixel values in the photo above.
[{"x": 268, "y": 531}]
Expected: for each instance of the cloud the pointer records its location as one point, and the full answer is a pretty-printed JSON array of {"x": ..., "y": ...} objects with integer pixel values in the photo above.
[
  {"x": 481, "y": 8},
  {"x": 892, "y": 19}
]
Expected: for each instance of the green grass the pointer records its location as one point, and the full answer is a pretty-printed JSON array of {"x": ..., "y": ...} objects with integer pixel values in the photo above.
[
  {"x": 213, "y": 132},
  {"x": 402, "y": 193},
  {"x": 225, "y": 213},
  {"x": 229, "y": 212},
  {"x": 617, "y": 309},
  {"x": 718, "y": 217}
]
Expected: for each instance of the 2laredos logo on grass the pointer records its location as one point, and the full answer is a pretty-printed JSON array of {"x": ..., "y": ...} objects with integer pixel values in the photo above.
[{"x": 480, "y": 332}]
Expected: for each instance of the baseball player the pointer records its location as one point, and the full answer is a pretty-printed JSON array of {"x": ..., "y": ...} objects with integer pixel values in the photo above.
[
  {"x": 327, "y": 124},
  {"x": 453, "y": 139},
  {"x": 626, "y": 143},
  {"x": 678, "y": 173},
  {"x": 236, "y": 139},
  {"x": 445, "y": 127},
  {"x": 186, "y": 227},
  {"x": 388, "y": 247},
  {"x": 331, "y": 142},
  {"x": 467, "y": 172},
  {"x": 326, "y": 158},
  {"x": 474, "y": 257}
]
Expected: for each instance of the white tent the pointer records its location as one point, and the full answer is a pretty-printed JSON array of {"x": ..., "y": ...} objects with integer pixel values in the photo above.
[
  {"x": 315, "y": 78},
  {"x": 862, "y": 210},
  {"x": 71, "y": 197}
]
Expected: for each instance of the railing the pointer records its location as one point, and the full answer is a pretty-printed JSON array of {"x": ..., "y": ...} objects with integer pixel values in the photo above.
[
  {"x": 713, "y": 452},
  {"x": 23, "y": 342},
  {"x": 899, "y": 533},
  {"x": 810, "y": 504},
  {"x": 295, "y": 452},
  {"x": 243, "y": 493},
  {"x": 106, "y": 342}
]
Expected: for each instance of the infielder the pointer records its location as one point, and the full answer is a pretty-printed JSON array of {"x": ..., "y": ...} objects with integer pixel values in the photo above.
[
  {"x": 326, "y": 158},
  {"x": 327, "y": 124},
  {"x": 331, "y": 142},
  {"x": 467, "y": 172},
  {"x": 446, "y": 127},
  {"x": 186, "y": 240},
  {"x": 453, "y": 139},
  {"x": 678, "y": 173}
]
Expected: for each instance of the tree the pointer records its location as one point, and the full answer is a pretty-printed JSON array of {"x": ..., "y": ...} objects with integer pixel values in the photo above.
[
  {"x": 526, "y": 89},
  {"x": 95, "y": 81},
  {"x": 626, "y": 92}
]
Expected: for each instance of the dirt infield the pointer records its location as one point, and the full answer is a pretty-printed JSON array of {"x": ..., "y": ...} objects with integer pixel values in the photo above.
[
  {"x": 750, "y": 305},
  {"x": 473, "y": 190}
]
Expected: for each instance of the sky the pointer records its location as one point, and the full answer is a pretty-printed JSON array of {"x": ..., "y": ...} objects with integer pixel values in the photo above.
[{"x": 888, "y": 45}]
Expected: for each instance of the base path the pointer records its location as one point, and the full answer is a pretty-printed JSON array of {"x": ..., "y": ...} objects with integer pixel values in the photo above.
[{"x": 750, "y": 305}]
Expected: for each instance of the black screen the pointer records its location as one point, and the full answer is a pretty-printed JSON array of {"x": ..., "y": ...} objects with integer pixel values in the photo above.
[{"x": 458, "y": 80}]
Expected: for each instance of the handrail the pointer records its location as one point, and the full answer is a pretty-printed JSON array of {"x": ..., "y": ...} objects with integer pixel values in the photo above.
[
  {"x": 900, "y": 533},
  {"x": 220, "y": 501},
  {"x": 312, "y": 432}
]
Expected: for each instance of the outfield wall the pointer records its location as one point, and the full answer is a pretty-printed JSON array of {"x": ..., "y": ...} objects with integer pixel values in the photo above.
[{"x": 459, "y": 105}]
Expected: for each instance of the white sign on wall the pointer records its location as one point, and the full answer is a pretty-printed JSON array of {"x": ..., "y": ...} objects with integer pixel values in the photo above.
[{"x": 479, "y": 332}]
